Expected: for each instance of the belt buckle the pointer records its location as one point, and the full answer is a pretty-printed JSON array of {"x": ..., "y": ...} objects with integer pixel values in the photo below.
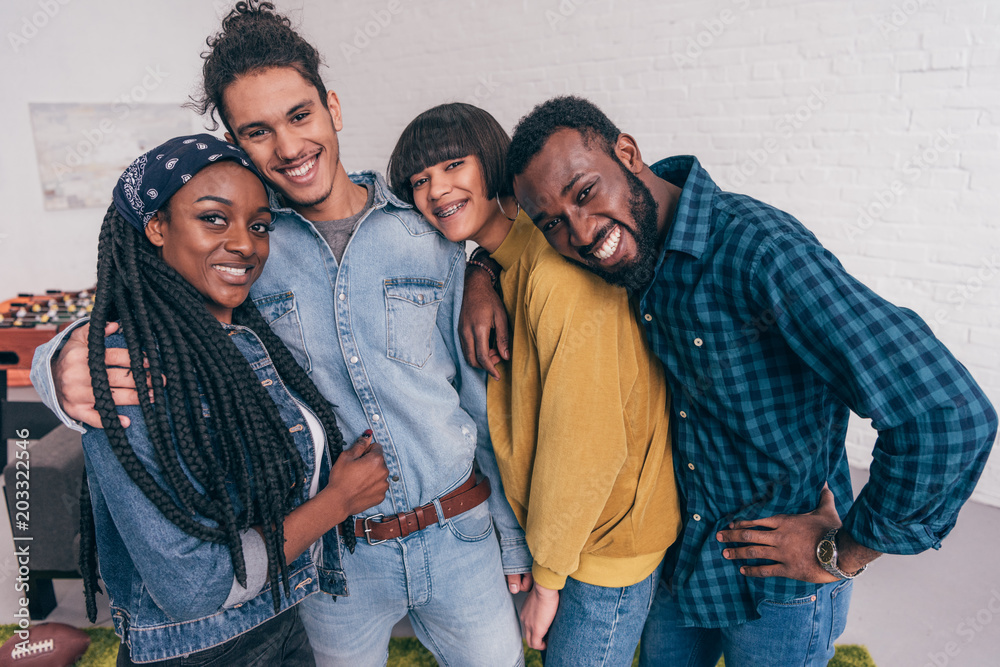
[{"x": 368, "y": 530}]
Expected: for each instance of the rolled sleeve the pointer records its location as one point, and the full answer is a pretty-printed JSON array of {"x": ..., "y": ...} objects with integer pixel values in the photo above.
[
  {"x": 41, "y": 374},
  {"x": 548, "y": 578},
  {"x": 186, "y": 577},
  {"x": 255, "y": 556},
  {"x": 936, "y": 427},
  {"x": 922, "y": 473}
]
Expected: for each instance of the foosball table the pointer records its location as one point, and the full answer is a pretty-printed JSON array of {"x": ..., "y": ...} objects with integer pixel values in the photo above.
[
  {"x": 26, "y": 322},
  {"x": 29, "y": 320}
]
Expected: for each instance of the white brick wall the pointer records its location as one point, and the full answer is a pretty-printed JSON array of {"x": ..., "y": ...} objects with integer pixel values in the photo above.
[
  {"x": 830, "y": 110},
  {"x": 876, "y": 123}
]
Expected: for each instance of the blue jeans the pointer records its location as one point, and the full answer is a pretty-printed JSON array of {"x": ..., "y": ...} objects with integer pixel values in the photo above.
[
  {"x": 279, "y": 641},
  {"x": 447, "y": 578},
  {"x": 596, "y": 625},
  {"x": 796, "y": 633}
]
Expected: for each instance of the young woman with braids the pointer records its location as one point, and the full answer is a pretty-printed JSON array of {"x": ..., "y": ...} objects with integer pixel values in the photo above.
[
  {"x": 578, "y": 415},
  {"x": 208, "y": 509}
]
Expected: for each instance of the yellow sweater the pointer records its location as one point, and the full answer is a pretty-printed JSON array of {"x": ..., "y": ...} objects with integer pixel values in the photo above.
[{"x": 579, "y": 422}]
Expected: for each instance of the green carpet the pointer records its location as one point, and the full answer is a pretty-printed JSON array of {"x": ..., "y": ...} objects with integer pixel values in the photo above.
[{"x": 403, "y": 652}]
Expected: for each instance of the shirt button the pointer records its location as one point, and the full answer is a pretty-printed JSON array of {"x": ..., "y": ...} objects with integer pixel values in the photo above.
[
  {"x": 354, "y": 360},
  {"x": 420, "y": 297},
  {"x": 648, "y": 317},
  {"x": 343, "y": 296},
  {"x": 395, "y": 478},
  {"x": 698, "y": 342},
  {"x": 375, "y": 418},
  {"x": 690, "y": 466},
  {"x": 696, "y": 517},
  {"x": 683, "y": 414}
]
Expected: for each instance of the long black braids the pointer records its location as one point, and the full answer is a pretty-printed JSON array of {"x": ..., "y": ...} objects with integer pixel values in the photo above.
[{"x": 165, "y": 322}]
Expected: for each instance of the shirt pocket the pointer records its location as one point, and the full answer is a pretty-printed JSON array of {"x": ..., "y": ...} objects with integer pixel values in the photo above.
[
  {"x": 708, "y": 363},
  {"x": 281, "y": 313},
  {"x": 411, "y": 306}
]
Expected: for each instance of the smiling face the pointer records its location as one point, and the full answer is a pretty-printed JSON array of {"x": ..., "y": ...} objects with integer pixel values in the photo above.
[
  {"x": 290, "y": 133},
  {"x": 592, "y": 207},
  {"x": 452, "y": 196},
  {"x": 215, "y": 234}
]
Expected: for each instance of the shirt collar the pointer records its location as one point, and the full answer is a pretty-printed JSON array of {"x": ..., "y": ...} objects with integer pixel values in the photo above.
[
  {"x": 370, "y": 179},
  {"x": 515, "y": 242},
  {"x": 691, "y": 225}
]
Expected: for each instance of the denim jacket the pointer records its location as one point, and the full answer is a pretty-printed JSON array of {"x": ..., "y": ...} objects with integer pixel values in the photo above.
[
  {"x": 172, "y": 593},
  {"x": 378, "y": 334}
]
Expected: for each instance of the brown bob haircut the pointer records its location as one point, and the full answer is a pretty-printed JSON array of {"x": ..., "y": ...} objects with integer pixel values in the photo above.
[{"x": 449, "y": 132}]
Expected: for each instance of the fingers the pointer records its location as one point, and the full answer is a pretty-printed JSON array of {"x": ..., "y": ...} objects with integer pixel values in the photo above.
[
  {"x": 92, "y": 418},
  {"x": 109, "y": 328},
  {"x": 80, "y": 334},
  {"x": 118, "y": 356},
  {"x": 767, "y": 522},
  {"x": 519, "y": 583},
  {"x": 484, "y": 352},
  {"x": 826, "y": 500},
  {"x": 89, "y": 417},
  {"x": 127, "y": 396},
  {"x": 503, "y": 334},
  {"x": 782, "y": 570},
  {"x": 121, "y": 378},
  {"x": 362, "y": 445},
  {"x": 754, "y": 552},
  {"x": 763, "y": 571},
  {"x": 468, "y": 346},
  {"x": 489, "y": 363},
  {"x": 768, "y": 537}
]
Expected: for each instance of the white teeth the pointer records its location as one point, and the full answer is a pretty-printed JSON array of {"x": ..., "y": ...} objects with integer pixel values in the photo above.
[
  {"x": 303, "y": 170},
  {"x": 231, "y": 270},
  {"x": 451, "y": 210},
  {"x": 609, "y": 246}
]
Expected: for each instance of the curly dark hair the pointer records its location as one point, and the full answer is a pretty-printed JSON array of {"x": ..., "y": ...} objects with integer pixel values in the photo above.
[
  {"x": 164, "y": 319},
  {"x": 447, "y": 132},
  {"x": 253, "y": 38},
  {"x": 568, "y": 111}
]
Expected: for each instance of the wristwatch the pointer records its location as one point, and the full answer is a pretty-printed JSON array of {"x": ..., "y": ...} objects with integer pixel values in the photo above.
[{"x": 826, "y": 554}]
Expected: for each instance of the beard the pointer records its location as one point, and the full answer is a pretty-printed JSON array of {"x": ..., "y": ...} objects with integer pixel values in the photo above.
[
  {"x": 316, "y": 201},
  {"x": 298, "y": 203},
  {"x": 634, "y": 275}
]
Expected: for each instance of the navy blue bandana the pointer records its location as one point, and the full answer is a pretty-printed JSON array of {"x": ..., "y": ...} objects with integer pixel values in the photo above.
[{"x": 149, "y": 182}]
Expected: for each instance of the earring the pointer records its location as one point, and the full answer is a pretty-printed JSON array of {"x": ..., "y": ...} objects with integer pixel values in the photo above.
[{"x": 500, "y": 206}]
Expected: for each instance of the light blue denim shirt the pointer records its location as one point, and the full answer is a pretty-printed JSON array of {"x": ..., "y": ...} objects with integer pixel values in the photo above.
[
  {"x": 378, "y": 334},
  {"x": 172, "y": 593}
]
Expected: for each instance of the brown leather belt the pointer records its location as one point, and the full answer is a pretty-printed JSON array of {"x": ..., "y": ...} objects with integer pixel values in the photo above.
[{"x": 462, "y": 499}]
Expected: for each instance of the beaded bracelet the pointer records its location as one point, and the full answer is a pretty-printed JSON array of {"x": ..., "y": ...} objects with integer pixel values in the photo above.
[{"x": 475, "y": 259}]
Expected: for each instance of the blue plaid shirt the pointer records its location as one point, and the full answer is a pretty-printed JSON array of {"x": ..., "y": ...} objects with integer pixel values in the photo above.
[{"x": 768, "y": 344}]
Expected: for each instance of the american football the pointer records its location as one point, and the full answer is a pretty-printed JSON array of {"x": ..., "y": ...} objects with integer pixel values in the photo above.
[{"x": 47, "y": 645}]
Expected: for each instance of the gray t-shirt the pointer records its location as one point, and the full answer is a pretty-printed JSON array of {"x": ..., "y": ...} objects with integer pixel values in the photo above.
[{"x": 338, "y": 232}]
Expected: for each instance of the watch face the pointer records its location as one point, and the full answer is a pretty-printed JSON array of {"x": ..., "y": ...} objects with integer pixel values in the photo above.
[{"x": 826, "y": 551}]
